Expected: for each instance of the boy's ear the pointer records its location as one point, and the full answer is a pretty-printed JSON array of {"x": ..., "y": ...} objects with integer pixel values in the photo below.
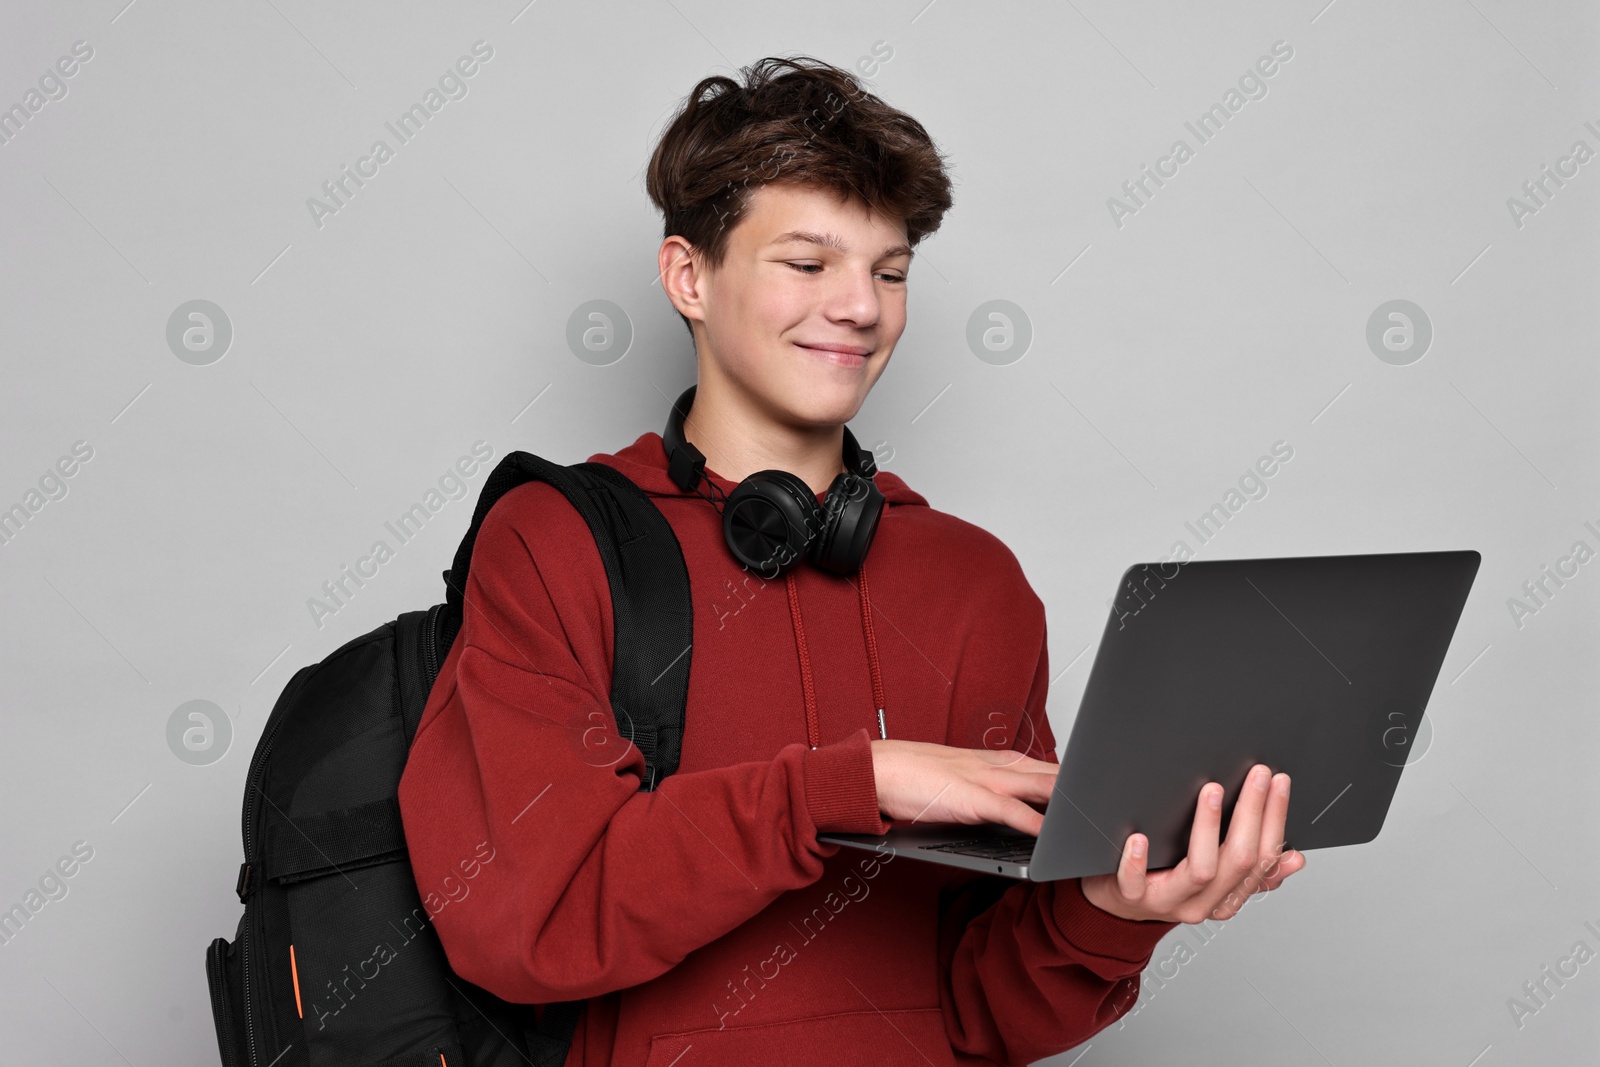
[{"x": 682, "y": 276}]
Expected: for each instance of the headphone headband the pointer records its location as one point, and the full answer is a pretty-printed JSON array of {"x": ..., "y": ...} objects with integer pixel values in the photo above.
[{"x": 686, "y": 463}]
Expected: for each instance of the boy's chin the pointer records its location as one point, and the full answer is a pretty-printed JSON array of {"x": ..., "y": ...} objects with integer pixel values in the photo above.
[{"x": 822, "y": 403}]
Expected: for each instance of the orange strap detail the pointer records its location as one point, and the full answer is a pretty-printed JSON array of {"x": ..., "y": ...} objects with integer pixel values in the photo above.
[{"x": 294, "y": 972}]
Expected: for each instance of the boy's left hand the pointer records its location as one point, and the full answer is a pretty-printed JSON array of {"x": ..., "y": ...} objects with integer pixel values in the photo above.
[{"x": 1211, "y": 882}]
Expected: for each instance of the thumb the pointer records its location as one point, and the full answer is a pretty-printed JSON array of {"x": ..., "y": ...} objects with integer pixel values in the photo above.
[{"x": 1131, "y": 871}]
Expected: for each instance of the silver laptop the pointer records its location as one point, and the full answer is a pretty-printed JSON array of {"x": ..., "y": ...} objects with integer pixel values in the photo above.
[{"x": 1318, "y": 666}]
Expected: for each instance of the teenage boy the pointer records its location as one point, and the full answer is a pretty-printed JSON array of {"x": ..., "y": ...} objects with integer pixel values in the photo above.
[{"x": 703, "y": 922}]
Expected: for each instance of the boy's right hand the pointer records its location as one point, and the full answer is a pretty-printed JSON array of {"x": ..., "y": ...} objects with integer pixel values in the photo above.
[{"x": 922, "y": 782}]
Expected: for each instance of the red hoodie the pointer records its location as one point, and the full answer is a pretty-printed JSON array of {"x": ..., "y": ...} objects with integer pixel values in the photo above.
[{"x": 704, "y": 922}]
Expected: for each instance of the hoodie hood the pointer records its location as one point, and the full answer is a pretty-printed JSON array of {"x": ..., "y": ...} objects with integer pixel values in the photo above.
[{"x": 645, "y": 462}]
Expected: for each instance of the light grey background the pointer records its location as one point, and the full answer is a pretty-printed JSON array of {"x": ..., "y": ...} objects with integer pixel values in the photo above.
[{"x": 1168, "y": 353}]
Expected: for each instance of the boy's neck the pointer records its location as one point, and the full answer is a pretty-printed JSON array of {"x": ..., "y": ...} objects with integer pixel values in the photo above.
[{"x": 738, "y": 437}]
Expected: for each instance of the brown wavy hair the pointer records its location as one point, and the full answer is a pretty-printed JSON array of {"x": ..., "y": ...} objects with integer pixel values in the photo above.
[{"x": 795, "y": 120}]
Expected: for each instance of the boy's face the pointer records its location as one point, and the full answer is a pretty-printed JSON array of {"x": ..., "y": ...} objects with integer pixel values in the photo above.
[{"x": 803, "y": 269}]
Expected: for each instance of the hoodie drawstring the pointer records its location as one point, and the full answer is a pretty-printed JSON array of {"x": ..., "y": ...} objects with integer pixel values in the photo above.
[
  {"x": 872, "y": 649},
  {"x": 813, "y": 731}
]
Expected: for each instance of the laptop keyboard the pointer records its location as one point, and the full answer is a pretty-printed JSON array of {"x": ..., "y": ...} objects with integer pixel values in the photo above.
[{"x": 1005, "y": 849}]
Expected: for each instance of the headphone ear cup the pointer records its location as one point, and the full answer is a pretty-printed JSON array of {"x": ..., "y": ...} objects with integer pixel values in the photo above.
[
  {"x": 770, "y": 521},
  {"x": 849, "y": 522}
]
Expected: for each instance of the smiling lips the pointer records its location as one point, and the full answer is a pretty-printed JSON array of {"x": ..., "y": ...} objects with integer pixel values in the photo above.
[{"x": 838, "y": 354}]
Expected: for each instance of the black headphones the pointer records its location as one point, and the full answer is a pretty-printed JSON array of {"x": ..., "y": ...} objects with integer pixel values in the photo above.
[{"x": 772, "y": 518}]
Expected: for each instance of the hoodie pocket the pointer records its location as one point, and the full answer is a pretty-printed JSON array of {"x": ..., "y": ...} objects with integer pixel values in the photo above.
[{"x": 913, "y": 1038}]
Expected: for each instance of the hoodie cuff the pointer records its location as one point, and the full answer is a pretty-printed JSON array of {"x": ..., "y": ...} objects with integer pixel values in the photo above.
[
  {"x": 841, "y": 790},
  {"x": 1099, "y": 933}
]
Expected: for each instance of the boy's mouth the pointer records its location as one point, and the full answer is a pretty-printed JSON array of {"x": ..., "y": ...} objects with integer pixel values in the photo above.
[{"x": 838, "y": 354}]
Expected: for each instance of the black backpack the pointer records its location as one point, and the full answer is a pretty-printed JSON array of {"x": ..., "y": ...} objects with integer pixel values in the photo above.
[{"x": 335, "y": 961}]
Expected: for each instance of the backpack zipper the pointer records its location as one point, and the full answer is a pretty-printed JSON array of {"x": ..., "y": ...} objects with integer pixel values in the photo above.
[{"x": 430, "y": 645}]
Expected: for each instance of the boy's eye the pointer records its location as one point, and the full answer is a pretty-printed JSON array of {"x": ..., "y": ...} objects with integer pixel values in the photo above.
[{"x": 887, "y": 276}]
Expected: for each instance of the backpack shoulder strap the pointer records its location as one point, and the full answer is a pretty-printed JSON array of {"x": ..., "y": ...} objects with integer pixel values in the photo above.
[
  {"x": 653, "y": 623},
  {"x": 653, "y": 619}
]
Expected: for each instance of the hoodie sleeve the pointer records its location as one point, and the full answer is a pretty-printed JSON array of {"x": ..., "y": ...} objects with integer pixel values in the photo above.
[
  {"x": 590, "y": 886},
  {"x": 1029, "y": 970}
]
